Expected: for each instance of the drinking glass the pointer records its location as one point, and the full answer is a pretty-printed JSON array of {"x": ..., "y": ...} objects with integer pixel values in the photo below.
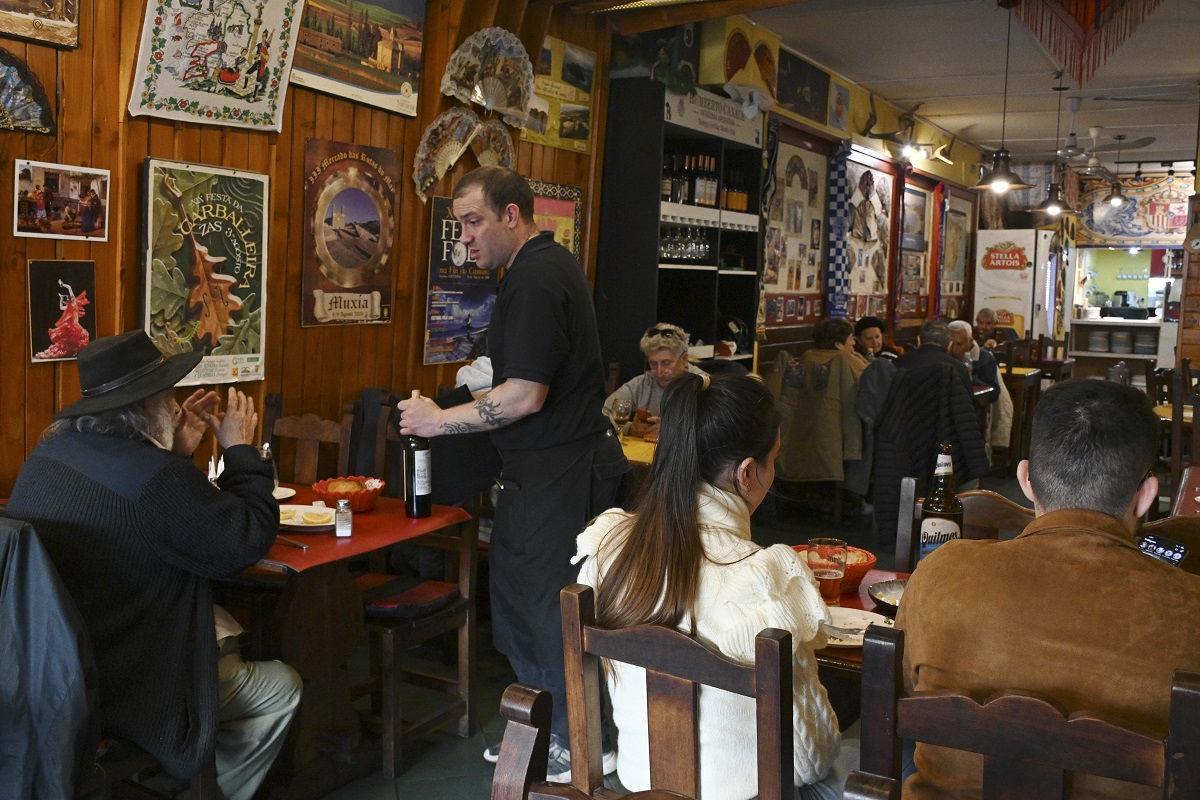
[
  {"x": 827, "y": 559},
  {"x": 622, "y": 410}
]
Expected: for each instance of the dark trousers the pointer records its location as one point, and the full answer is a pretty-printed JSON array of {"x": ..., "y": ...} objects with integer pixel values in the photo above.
[{"x": 546, "y": 498}]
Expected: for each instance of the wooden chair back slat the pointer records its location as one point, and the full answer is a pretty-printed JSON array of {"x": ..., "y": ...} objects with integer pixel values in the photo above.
[
  {"x": 676, "y": 665},
  {"x": 985, "y": 514},
  {"x": 1029, "y": 743},
  {"x": 308, "y": 432}
]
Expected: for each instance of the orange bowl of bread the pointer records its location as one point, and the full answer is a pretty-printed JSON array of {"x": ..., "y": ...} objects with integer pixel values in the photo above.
[
  {"x": 858, "y": 563},
  {"x": 361, "y": 492}
]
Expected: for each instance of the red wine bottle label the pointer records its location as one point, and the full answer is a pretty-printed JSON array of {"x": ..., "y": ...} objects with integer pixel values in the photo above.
[{"x": 422, "y": 472}]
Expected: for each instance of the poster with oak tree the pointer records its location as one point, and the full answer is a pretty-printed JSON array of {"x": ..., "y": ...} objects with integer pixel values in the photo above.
[{"x": 206, "y": 267}]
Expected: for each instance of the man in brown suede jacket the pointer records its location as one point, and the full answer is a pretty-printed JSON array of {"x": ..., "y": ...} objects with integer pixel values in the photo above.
[{"x": 1070, "y": 609}]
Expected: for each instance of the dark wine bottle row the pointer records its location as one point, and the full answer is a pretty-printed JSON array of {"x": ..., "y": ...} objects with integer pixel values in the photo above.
[{"x": 695, "y": 180}]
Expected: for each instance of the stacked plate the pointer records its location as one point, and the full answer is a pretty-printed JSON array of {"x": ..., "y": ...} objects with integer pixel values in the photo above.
[
  {"x": 1122, "y": 342},
  {"x": 1145, "y": 343},
  {"x": 1097, "y": 341}
]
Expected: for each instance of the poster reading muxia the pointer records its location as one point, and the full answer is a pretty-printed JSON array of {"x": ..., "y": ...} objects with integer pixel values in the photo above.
[
  {"x": 349, "y": 228},
  {"x": 462, "y": 296},
  {"x": 206, "y": 267},
  {"x": 222, "y": 62}
]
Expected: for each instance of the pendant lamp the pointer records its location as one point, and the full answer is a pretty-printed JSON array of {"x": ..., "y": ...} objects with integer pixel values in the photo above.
[
  {"x": 1053, "y": 204},
  {"x": 1115, "y": 197},
  {"x": 1001, "y": 178}
]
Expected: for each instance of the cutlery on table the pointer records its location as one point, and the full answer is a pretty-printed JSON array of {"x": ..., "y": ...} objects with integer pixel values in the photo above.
[{"x": 292, "y": 542}]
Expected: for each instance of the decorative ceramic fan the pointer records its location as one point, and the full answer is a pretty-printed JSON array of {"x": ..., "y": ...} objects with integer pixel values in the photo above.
[
  {"x": 446, "y": 138},
  {"x": 492, "y": 69},
  {"x": 23, "y": 102},
  {"x": 493, "y": 146}
]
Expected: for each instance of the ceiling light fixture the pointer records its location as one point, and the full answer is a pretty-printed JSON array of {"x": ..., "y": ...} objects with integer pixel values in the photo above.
[
  {"x": 1001, "y": 178},
  {"x": 1053, "y": 204},
  {"x": 1115, "y": 198}
]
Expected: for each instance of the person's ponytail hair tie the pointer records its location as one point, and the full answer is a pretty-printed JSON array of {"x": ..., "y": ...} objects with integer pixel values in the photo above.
[{"x": 705, "y": 381}]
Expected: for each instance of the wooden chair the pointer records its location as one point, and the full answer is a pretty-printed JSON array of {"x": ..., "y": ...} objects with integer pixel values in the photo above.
[
  {"x": 308, "y": 433},
  {"x": 985, "y": 514},
  {"x": 1029, "y": 744},
  {"x": 1023, "y": 353},
  {"x": 1053, "y": 359},
  {"x": 402, "y": 613},
  {"x": 1185, "y": 433},
  {"x": 676, "y": 665},
  {"x": 1158, "y": 384},
  {"x": 1004, "y": 356},
  {"x": 121, "y": 766}
]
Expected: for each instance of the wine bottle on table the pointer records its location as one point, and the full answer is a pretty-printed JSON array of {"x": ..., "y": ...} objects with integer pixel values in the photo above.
[
  {"x": 418, "y": 475},
  {"x": 941, "y": 512}
]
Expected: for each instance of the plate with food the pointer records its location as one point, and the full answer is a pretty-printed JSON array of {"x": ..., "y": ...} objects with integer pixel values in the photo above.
[
  {"x": 852, "y": 624},
  {"x": 306, "y": 519},
  {"x": 888, "y": 593}
]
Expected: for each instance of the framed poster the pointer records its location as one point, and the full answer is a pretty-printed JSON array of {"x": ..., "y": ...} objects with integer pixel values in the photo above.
[
  {"x": 221, "y": 64},
  {"x": 916, "y": 218},
  {"x": 562, "y": 91},
  {"x": 461, "y": 297},
  {"x": 869, "y": 231},
  {"x": 60, "y": 323},
  {"x": 206, "y": 267},
  {"x": 349, "y": 229},
  {"x": 803, "y": 88},
  {"x": 794, "y": 239},
  {"x": 558, "y": 207},
  {"x": 955, "y": 253},
  {"x": 377, "y": 64},
  {"x": 49, "y": 21},
  {"x": 56, "y": 201}
]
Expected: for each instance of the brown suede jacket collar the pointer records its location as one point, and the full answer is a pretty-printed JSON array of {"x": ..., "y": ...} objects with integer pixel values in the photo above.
[{"x": 1080, "y": 521}]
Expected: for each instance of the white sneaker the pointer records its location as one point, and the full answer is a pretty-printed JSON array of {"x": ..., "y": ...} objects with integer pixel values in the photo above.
[{"x": 558, "y": 768}]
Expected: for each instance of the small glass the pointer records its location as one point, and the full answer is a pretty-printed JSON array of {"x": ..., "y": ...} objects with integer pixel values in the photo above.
[
  {"x": 827, "y": 559},
  {"x": 622, "y": 410},
  {"x": 265, "y": 454}
]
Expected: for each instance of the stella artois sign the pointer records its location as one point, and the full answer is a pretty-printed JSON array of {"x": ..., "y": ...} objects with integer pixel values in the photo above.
[{"x": 1005, "y": 255}]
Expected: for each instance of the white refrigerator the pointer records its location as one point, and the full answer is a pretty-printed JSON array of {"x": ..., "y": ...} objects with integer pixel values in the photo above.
[{"x": 1025, "y": 277}]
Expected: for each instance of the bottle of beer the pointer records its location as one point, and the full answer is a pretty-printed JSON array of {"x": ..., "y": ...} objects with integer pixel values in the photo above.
[
  {"x": 941, "y": 513},
  {"x": 418, "y": 475}
]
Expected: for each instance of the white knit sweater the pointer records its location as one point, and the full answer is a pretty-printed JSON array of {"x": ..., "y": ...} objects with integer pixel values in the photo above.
[{"x": 743, "y": 589}]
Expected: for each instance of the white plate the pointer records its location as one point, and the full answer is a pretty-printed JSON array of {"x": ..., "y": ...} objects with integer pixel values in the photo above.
[
  {"x": 298, "y": 524},
  {"x": 853, "y": 618},
  {"x": 283, "y": 492}
]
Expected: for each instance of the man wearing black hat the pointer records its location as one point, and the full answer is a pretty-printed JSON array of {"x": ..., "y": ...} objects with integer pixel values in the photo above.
[{"x": 137, "y": 532}]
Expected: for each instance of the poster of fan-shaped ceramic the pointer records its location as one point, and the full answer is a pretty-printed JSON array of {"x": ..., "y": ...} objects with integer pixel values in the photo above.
[
  {"x": 493, "y": 145},
  {"x": 23, "y": 102},
  {"x": 446, "y": 138},
  {"x": 492, "y": 69}
]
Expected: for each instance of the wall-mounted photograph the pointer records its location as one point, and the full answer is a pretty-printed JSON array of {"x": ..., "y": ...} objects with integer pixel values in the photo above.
[
  {"x": 60, "y": 320},
  {"x": 58, "y": 201},
  {"x": 51, "y": 21}
]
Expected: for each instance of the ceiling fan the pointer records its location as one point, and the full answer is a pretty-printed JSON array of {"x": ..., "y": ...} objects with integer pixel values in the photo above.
[{"x": 1071, "y": 150}]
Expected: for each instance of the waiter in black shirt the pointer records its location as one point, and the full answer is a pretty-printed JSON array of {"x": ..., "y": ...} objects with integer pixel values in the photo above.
[{"x": 562, "y": 463}]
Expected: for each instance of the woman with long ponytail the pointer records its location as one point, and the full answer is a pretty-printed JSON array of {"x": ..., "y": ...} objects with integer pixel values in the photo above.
[{"x": 684, "y": 558}]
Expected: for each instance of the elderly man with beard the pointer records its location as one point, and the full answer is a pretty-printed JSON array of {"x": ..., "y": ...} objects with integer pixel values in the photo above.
[{"x": 137, "y": 533}]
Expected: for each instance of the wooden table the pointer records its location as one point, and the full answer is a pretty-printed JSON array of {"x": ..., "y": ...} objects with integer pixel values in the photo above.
[
  {"x": 1166, "y": 414},
  {"x": 848, "y": 660},
  {"x": 638, "y": 450},
  {"x": 1024, "y": 384},
  {"x": 316, "y": 627}
]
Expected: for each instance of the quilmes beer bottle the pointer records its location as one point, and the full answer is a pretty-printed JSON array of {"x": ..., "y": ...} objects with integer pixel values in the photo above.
[
  {"x": 941, "y": 513},
  {"x": 418, "y": 475}
]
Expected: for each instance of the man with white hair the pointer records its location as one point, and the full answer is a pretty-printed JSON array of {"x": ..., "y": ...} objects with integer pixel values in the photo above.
[
  {"x": 137, "y": 533},
  {"x": 984, "y": 369},
  {"x": 666, "y": 349}
]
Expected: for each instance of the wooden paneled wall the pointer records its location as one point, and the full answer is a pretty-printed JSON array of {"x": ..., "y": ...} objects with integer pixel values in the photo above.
[{"x": 316, "y": 369}]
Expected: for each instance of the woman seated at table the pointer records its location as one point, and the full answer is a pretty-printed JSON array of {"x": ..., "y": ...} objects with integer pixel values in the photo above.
[
  {"x": 869, "y": 343},
  {"x": 666, "y": 350},
  {"x": 684, "y": 558}
]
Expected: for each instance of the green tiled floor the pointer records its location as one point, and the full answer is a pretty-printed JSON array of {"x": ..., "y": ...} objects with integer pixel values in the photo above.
[{"x": 445, "y": 767}]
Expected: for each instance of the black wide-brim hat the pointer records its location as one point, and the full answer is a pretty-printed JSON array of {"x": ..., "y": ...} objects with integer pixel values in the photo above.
[{"x": 119, "y": 370}]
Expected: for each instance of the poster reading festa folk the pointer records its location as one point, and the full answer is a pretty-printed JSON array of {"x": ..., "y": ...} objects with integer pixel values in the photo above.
[
  {"x": 206, "y": 267},
  {"x": 562, "y": 95},
  {"x": 462, "y": 296},
  {"x": 349, "y": 229},
  {"x": 222, "y": 62}
]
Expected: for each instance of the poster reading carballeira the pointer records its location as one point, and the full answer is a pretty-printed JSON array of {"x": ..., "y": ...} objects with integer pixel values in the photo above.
[
  {"x": 223, "y": 62},
  {"x": 206, "y": 267}
]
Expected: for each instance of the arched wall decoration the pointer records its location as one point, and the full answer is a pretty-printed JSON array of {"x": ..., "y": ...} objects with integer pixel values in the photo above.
[{"x": 23, "y": 102}]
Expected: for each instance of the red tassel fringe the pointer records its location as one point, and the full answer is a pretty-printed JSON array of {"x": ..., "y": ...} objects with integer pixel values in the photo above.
[{"x": 1081, "y": 51}]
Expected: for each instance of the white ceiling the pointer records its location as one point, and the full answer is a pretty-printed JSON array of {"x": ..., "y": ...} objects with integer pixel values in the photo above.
[{"x": 949, "y": 56}]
